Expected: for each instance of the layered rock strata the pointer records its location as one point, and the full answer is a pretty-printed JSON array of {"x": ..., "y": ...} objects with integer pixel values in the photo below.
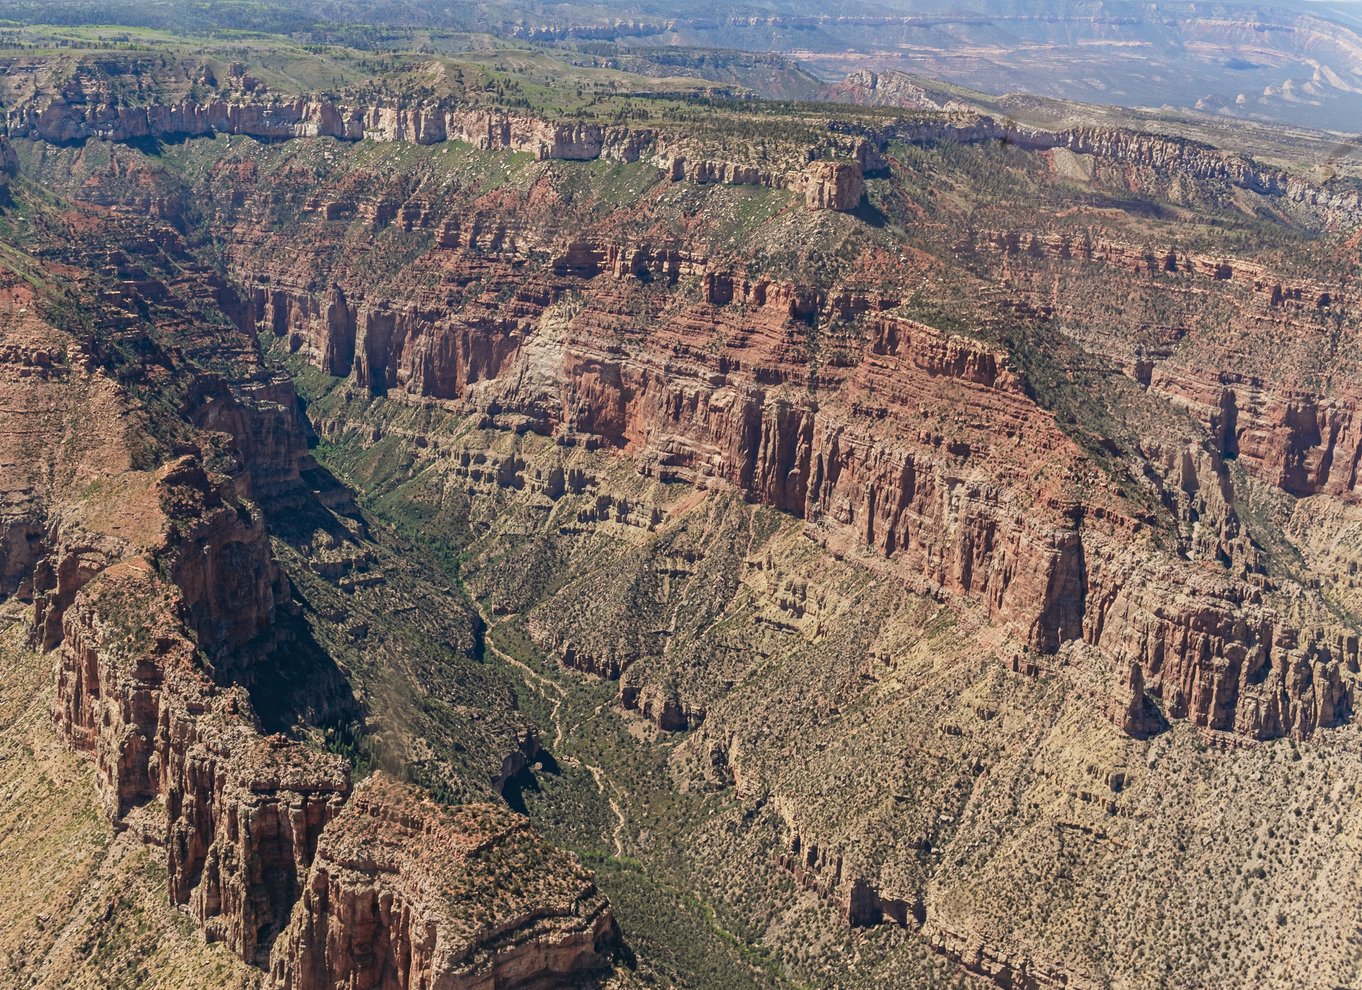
[
  {"x": 406, "y": 893},
  {"x": 834, "y": 186},
  {"x": 1302, "y": 440},
  {"x": 952, "y": 120},
  {"x": 65, "y": 119},
  {"x": 926, "y": 454},
  {"x": 82, "y": 112},
  {"x": 242, "y": 812},
  {"x": 1050, "y": 566}
]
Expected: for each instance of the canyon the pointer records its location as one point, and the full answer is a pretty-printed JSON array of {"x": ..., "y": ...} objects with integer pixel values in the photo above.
[{"x": 901, "y": 548}]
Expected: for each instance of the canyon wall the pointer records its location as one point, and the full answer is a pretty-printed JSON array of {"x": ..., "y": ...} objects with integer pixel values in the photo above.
[
  {"x": 971, "y": 502},
  {"x": 123, "y": 583},
  {"x": 242, "y": 812},
  {"x": 1339, "y": 206},
  {"x": 76, "y": 117},
  {"x": 80, "y": 112},
  {"x": 1302, "y": 440},
  {"x": 926, "y": 450},
  {"x": 948, "y": 118}
]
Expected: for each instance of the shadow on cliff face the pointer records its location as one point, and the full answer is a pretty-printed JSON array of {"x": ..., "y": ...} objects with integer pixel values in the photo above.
[
  {"x": 869, "y": 214},
  {"x": 1147, "y": 719},
  {"x": 548, "y": 764},
  {"x": 299, "y": 683},
  {"x": 525, "y": 781},
  {"x": 1134, "y": 205},
  {"x": 517, "y": 786}
]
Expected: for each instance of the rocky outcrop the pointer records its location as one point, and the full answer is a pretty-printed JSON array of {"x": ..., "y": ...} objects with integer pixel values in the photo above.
[
  {"x": 267, "y": 435},
  {"x": 221, "y": 561},
  {"x": 665, "y": 709},
  {"x": 824, "y": 870},
  {"x": 406, "y": 893},
  {"x": 75, "y": 117},
  {"x": 158, "y": 593},
  {"x": 387, "y": 889},
  {"x": 20, "y": 548},
  {"x": 1299, "y": 441},
  {"x": 242, "y": 812},
  {"x": 1099, "y": 246},
  {"x": 1302, "y": 440},
  {"x": 1226, "y": 656},
  {"x": 240, "y": 815},
  {"x": 83, "y": 110},
  {"x": 1016, "y": 971},
  {"x": 833, "y": 186},
  {"x": 517, "y": 761},
  {"x": 885, "y": 89}
]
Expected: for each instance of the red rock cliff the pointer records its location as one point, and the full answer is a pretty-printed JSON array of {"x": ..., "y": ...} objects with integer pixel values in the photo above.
[
  {"x": 922, "y": 444},
  {"x": 406, "y": 893}
]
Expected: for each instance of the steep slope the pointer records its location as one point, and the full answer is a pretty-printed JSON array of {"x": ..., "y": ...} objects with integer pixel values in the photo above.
[
  {"x": 1062, "y": 565},
  {"x": 740, "y": 415}
]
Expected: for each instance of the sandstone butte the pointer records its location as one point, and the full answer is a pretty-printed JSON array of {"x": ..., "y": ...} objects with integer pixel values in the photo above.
[{"x": 923, "y": 448}]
